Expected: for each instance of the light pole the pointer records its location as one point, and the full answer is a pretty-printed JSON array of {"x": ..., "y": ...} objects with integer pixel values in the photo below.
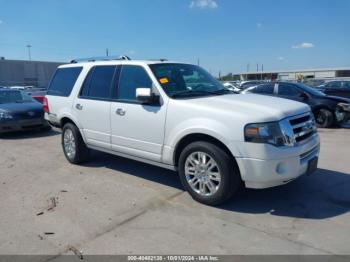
[{"x": 29, "y": 54}]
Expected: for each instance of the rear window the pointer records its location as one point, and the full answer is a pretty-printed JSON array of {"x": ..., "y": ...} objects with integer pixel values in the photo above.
[{"x": 63, "y": 81}]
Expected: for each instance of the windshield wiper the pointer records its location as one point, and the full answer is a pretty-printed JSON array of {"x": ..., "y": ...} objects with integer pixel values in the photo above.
[{"x": 185, "y": 93}]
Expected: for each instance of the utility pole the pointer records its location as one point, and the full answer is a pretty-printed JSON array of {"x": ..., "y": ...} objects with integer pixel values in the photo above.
[
  {"x": 29, "y": 54},
  {"x": 262, "y": 70},
  {"x": 107, "y": 52},
  {"x": 198, "y": 61},
  {"x": 246, "y": 75}
]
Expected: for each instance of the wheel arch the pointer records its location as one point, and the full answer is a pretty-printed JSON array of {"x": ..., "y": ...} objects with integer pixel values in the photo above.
[
  {"x": 66, "y": 119},
  {"x": 195, "y": 137},
  {"x": 322, "y": 106}
]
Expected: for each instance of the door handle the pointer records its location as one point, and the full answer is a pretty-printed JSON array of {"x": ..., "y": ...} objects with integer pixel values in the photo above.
[
  {"x": 120, "y": 112},
  {"x": 79, "y": 106}
]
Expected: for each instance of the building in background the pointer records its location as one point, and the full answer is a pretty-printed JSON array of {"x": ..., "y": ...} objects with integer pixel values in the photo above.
[
  {"x": 26, "y": 73},
  {"x": 328, "y": 73}
]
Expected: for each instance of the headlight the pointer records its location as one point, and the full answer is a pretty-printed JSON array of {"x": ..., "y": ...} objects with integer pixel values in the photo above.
[
  {"x": 267, "y": 133},
  {"x": 344, "y": 106},
  {"x": 5, "y": 116}
]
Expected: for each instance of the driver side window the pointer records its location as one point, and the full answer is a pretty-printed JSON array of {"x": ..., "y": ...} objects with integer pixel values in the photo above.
[
  {"x": 131, "y": 78},
  {"x": 288, "y": 90}
]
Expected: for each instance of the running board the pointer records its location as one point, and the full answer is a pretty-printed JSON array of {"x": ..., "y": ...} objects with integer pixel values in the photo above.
[{"x": 154, "y": 163}]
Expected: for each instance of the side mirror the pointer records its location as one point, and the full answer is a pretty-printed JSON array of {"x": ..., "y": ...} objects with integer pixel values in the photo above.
[
  {"x": 145, "y": 96},
  {"x": 304, "y": 96}
]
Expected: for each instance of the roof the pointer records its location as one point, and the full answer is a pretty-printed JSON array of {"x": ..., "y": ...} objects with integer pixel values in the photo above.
[{"x": 296, "y": 71}]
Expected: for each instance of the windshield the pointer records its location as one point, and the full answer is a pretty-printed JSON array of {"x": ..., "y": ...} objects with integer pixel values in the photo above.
[
  {"x": 15, "y": 96},
  {"x": 311, "y": 90},
  {"x": 183, "y": 80}
]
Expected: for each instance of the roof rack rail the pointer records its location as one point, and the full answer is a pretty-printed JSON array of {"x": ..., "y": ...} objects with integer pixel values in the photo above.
[
  {"x": 158, "y": 59},
  {"x": 100, "y": 58}
]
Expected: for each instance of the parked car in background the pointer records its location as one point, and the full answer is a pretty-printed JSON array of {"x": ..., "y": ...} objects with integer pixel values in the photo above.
[
  {"x": 179, "y": 117},
  {"x": 246, "y": 84},
  {"x": 336, "y": 88},
  {"x": 328, "y": 110},
  {"x": 232, "y": 86},
  {"x": 313, "y": 82},
  {"x": 19, "y": 112}
]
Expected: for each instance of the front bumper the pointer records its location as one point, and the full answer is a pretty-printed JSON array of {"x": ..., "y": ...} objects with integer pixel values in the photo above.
[
  {"x": 283, "y": 167},
  {"x": 22, "y": 125},
  {"x": 342, "y": 114}
]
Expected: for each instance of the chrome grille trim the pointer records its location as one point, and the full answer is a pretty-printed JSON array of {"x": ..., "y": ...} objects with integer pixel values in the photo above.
[{"x": 297, "y": 129}]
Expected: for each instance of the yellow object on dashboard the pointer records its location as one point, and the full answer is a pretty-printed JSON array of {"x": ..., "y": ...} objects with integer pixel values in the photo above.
[{"x": 164, "y": 80}]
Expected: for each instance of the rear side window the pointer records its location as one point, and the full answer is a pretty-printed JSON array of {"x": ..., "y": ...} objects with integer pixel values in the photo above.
[
  {"x": 98, "y": 82},
  {"x": 63, "y": 81},
  {"x": 132, "y": 77}
]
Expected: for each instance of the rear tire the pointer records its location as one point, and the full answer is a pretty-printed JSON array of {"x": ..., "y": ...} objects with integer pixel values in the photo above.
[
  {"x": 73, "y": 145},
  {"x": 324, "y": 118},
  {"x": 208, "y": 173}
]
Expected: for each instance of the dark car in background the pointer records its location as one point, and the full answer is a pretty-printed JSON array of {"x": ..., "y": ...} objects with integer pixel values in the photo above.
[
  {"x": 19, "y": 112},
  {"x": 336, "y": 88},
  {"x": 328, "y": 110}
]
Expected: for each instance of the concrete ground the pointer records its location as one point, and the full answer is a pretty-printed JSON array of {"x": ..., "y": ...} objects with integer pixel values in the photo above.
[{"x": 113, "y": 205}]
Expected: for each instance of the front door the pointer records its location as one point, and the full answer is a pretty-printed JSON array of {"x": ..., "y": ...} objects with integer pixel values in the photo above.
[
  {"x": 137, "y": 129},
  {"x": 289, "y": 91}
]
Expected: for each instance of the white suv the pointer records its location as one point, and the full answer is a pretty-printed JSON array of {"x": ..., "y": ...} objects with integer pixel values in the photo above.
[{"x": 178, "y": 116}]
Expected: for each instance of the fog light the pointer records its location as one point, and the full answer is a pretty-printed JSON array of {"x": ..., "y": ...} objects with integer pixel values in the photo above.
[{"x": 281, "y": 168}]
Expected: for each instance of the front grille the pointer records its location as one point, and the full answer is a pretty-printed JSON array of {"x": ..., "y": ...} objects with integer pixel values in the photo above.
[{"x": 303, "y": 126}]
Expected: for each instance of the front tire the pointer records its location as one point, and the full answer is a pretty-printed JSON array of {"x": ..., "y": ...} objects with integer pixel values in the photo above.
[
  {"x": 208, "y": 173},
  {"x": 73, "y": 144},
  {"x": 324, "y": 118}
]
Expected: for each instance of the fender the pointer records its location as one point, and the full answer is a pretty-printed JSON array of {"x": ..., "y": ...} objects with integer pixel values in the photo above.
[{"x": 205, "y": 126}]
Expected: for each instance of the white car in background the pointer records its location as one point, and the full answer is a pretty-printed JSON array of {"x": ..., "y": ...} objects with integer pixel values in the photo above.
[{"x": 232, "y": 86}]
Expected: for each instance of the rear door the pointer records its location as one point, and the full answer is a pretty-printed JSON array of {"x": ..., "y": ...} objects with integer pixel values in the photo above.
[{"x": 92, "y": 106}]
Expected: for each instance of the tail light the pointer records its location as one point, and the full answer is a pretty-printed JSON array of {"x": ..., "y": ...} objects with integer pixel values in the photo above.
[
  {"x": 40, "y": 99},
  {"x": 46, "y": 105}
]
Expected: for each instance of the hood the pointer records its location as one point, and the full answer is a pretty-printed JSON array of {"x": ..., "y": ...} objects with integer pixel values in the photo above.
[
  {"x": 338, "y": 99},
  {"x": 250, "y": 107},
  {"x": 21, "y": 107}
]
